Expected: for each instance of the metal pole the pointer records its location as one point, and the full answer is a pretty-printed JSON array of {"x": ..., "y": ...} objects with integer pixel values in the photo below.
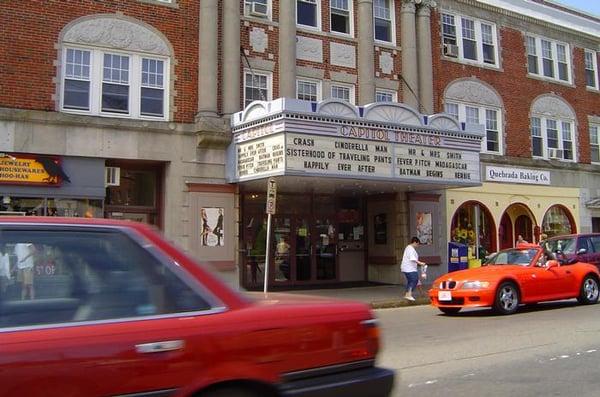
[
  {"x": 477, "y": 231},
  {"x": 268, "y": 250}
]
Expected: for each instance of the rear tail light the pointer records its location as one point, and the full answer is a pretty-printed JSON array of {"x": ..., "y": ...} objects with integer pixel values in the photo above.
[{"x": 373, "y": 335}]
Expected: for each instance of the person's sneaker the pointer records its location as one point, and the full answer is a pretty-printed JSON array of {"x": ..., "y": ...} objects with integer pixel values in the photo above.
[{"x": 410, "y": 298}]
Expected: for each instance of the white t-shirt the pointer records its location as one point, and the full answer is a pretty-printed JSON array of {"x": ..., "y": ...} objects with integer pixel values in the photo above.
[
  {"x": 24, "y": 255},
  {"x": 409, "y": 259}
]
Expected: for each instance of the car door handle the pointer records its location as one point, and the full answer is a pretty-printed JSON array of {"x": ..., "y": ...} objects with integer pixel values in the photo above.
[{"x": 158, "y": 347}]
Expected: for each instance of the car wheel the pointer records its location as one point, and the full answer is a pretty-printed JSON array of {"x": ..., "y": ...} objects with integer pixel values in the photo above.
[
  {"x": 449, "y": 310},
  {"x": 507, "y": 298},
  {"x": 589, "y": 292}
]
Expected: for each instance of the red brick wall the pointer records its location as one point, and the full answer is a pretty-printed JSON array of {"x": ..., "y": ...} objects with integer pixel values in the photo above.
[
  {"x": 29, "y": 31},
  {"x": 517, "y": 90}
]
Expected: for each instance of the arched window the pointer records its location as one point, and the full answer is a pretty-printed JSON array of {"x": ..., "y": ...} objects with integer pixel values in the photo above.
[
  {"x": 558, "y": 221},
  {"x": 473, "y": 224},
  {"x": 473, "y": 101},
  {"x": 116, "y": 67},
  {"x": 553, "y": 132}
]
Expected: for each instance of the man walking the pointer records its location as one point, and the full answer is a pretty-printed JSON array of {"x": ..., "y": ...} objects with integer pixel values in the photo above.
[{"x": 409, "y": 266}]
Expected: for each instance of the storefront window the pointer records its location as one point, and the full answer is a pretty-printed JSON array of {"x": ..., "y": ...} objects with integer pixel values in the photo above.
[
  {"x": 472, "y": 225},
  {"x": 558, "y": 221},
  {"x": 137, "y": 188},
  {"x": 67, "y": 207}
]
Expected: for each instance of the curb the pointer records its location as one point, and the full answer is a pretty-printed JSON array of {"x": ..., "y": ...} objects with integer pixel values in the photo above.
[{"x": 399, "y": 303}]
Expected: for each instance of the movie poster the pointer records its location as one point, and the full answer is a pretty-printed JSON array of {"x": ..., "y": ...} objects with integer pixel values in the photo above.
[
  {"x": 424, "y": 228},
  {"x": 212, "y": 233}
]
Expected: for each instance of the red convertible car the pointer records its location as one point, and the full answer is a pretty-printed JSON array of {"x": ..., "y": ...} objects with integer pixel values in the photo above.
[
  {"x": 108, "y": 308},
  {"x": 526, "y": 274}
]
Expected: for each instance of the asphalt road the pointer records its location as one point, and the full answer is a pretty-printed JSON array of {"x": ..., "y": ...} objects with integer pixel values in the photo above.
[{"x": 551, "y": 349}]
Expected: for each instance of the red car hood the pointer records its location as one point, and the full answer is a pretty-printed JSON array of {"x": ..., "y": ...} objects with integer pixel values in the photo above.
[{"x": 481, "y": 273}]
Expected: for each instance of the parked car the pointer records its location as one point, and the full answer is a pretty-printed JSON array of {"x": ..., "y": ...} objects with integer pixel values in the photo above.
[
  {"x": 104, "y": 308},
  {"x": 584, "y": 247},
  {"x": 523, "y": 275}
]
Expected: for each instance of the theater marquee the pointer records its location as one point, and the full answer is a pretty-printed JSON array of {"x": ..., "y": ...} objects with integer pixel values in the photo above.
[{"x": 339, "y": 149}]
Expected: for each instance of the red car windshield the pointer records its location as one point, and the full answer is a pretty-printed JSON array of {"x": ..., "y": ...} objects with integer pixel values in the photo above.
[{"x": 513, "y": 256}]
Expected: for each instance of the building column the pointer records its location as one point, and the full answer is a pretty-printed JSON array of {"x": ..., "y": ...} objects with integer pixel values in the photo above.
[
  {"x": 231, "y": 57},
  {"x": 410, "y": 83},
  {"x": 287, "y": 49},
  {"x": 366, "y": 53},
  {"x": 208, "y": 63},
  {"x": 424, "y": 57}
]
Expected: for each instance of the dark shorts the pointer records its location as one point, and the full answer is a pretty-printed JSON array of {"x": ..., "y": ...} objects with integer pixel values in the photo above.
[{"x": 412, "y": 278}]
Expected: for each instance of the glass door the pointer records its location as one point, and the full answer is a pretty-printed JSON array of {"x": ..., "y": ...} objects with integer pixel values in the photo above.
[
  {"x": 325, "y": 249},
  {"x": 302, "y": 244}
]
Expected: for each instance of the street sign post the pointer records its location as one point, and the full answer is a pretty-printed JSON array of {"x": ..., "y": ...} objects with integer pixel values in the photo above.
[{"x": 270, "y": 209}]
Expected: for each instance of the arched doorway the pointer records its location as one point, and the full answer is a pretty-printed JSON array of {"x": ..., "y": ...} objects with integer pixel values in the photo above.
[
  {"x": 516, "y": 220},
  {"x": 524, "y": 227},
  {"x": 505, "y": 232},
  {"x": 558, "y": 220},
  {"x": 473, "y": 225}
]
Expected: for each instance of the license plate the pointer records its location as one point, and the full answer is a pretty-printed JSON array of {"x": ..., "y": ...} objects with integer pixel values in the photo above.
[{"x": 444, "y": 296}]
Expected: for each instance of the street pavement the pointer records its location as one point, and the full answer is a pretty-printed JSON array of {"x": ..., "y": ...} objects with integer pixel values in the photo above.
[
  {"x": 378, "y": 296},
  {"x": 550, "y": 349}
]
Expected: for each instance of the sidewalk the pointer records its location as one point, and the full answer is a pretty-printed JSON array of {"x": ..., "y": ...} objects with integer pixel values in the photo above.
[{"x": 379, "y": 297}]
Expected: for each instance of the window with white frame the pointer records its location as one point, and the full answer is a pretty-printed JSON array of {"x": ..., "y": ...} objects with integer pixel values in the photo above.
[
  {"x": 477, "y": 114},
  {"x": 595, "y": 143},
  {"x": 341, "y": 16},
  {"x": 308, "y": 90},
  {"x": 383, "y": 20},
  {"x": 308, "y": 13},
  {"x": 257, "y": 8},
  {"x": 110, "y": 83},
  {"x": 548, "y": 59},
  {"x": 344, "y": 92},
  {"x": 591, "y": 67},
  {"x": 382, "y": 95},
  {"x": 469, "y": 39},
  {"x": 257, "y": 86},
  {"x": 552, "y": 138}
]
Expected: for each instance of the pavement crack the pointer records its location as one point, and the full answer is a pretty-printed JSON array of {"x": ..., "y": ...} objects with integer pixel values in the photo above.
[{"x": 454, "y": 359}]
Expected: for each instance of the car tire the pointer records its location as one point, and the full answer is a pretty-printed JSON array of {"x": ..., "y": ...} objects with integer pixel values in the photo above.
[
  {"x": 507, "y": 298},
  {"x": 589, "y": 291},
  {"x": 449, "y": 311}
]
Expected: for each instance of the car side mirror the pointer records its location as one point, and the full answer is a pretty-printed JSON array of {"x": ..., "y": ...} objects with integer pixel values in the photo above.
[
  {"x": 582, "y": 251},
  {"x": 552, "y": 263}
]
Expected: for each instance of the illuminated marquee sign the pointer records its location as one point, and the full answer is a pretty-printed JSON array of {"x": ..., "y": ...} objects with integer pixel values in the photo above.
[
  {"x": 298, "y": 154},
  {"x": 27, "y": 170}
]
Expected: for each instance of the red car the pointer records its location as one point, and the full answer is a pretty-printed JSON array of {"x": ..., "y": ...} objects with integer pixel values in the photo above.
[
  {"x": 106, "y": 308},
  {"x": 526, "y": 274}
]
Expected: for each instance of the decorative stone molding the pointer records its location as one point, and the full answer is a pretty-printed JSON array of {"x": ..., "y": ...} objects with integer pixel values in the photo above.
[
  {"x": 309, "y": 49},
  {"x": 444, "y": 122},
  {"x": 393, "y": 113},
  {"x": 408, "y": 6},
  {"x": 115, "y": 32},
  {"x": 552, "y": 106},
  {"x": 343, "y": 55},
  {"x": 343, "y": 77},
  {"x": 386, "y": 62},
  {"x": 472, "y": 91},
  {"x": 333, "y": 107},
  {"x": 259, "y": 40}
]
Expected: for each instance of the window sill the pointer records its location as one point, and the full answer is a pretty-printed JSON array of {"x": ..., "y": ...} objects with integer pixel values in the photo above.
[
  {"x": 550, "y": 80},
  {"x": 266, "y": 21},
  {"x": 386, "y": 44},
  {"x": 592, "y": 89},
  {"x": 113, "y": 115},
  {"x": 171, "y": 4},
  {"x": 475, "y": 64}
]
